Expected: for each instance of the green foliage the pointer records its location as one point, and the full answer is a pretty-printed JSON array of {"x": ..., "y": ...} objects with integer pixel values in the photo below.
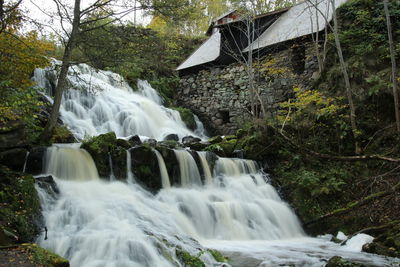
[
  {"x": 189, "y": 260},
  {"x": 61, "y": 134},
  {"x": 187, "y": 117},
  {"x": 217, "y": 255},
  {"x": 19, "y": 204}
]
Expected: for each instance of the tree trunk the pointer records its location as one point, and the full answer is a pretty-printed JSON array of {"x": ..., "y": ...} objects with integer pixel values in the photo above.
[
  {"x": 346, "y": 79},
  {"x": 394, "y": 68},
  {"x": 62, "y": 77}
]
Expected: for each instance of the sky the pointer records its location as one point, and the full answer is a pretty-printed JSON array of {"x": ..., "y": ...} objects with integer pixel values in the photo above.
[{"x": 40, "y": 11}]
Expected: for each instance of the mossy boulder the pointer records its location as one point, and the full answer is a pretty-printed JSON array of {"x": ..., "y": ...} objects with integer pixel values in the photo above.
[
  {"x": 61, "y": 134},
  {"x": 20, "y": 206},
  {"x": 100, "y": 147},
  {"x": 145, "y": 167},
  {"x": 43, "y": 257},
  {"x": 188, "y": 260},
  {"x": 215, "y": 139}
]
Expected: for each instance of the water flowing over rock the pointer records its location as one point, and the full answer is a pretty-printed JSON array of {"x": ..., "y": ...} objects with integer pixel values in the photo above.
[
  {"x": 101, "y": 101},
  {"x": 173, "y": 203}
]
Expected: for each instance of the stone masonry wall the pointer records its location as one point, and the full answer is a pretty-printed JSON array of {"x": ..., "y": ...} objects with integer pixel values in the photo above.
[{"x": 221, "y": 96}]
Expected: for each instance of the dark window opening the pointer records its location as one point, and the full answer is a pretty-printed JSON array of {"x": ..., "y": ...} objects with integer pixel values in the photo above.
[
  {"x": 298, "y": 58},
  {"x": 225, "y": 116}
]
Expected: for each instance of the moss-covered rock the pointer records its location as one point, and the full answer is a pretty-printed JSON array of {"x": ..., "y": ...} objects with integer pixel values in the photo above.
[
  {"x": 188, "y": 260},
  {"x": 43, "y": 257},
  {"x": 100, "y": 147},
  {"x": 215, "y": 139},
  {"x": 217, "y": 255},
  {"x": 145, "y": 167},
  {"x": 34, "y": 162},
  {"x": 14, "y": 158},
  {"x": 19, "y": 205},
  {"x": 61, "y": 134}
]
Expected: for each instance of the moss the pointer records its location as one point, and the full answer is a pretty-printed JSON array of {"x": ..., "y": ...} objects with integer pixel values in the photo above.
[
  {"x": 215, "y": 139},
  {"x": 144, "y": 170},
  {"x": 228, "y": 146},
  {"x": 61, "y": 134},
  {"x": 43, "y": 257},
  {"x": 19, "y": 204},
  {"x": 217, "y": 255},
  {"x": 189, "y": 260},
  {"x": 337, "y": 261},
  {"x": 99, "y": 148},
  {"x": 187, "y": 117}
]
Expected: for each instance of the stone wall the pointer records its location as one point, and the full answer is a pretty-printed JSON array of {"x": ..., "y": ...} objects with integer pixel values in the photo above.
[{"x": 220, "y": 96}]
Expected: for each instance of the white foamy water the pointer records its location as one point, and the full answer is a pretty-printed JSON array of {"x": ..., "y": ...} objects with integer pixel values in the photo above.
[{"x": 101, "y": 101}]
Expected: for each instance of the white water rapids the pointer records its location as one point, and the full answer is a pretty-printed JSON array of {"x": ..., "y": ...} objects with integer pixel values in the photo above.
[{"x": 234, "y": 209}]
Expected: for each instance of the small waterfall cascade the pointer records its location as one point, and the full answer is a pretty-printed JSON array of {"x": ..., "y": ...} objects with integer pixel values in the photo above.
[
  {"x": 235, "y": 167},
  {"x": 129, "y": 173},
  {"x": 69, "y": 162},
  {"x": 189, "y": 172},
  {"x": 205, "y": 166},
  {"x": 101, "y": 101},
  {"x": 163, "y": 170}
]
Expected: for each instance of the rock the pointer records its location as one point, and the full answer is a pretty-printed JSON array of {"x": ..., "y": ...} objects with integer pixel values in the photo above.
[
  {"x": 14, "y": 158},
  {"x": 100, "y": 147},
  {"x": 172, "y": 137},
  {"x": 35, "y": 161},
  {"x": 145, "y": 168},
  {"x": 135, "y": 140},
  {"x": 150, "y": 141},
  {"x": 190, "y": 139},
  {"x": 238, "y": 153},
  {"x": 12, "y": 134},
  {"x": 124, "y": 143},
  {"x": 47, "y": 183}
]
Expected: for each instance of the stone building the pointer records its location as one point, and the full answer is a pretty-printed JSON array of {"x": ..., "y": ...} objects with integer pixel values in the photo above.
[{"x": 278, "y": 48}]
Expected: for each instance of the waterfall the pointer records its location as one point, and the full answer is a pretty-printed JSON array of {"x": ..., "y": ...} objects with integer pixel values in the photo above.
[
  {"x": 205, "y": 166},
  {"x": 101, "y": 101},
  {"x": 94, "y": 223},
  {"x": 189, "y": 173},
  {"x": 163, "y": 170},
  {"x": 69, "y": 162}
]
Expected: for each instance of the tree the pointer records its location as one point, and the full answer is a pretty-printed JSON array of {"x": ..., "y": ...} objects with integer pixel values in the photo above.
[
  {"x": 8, "y": 13},
  {"x": 394, "y": 68},
  {"x": 82, "y": 20}
]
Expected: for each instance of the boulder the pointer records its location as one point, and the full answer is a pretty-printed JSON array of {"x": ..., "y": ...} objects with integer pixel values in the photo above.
[
  {"x": 135, "y": 140},
  {"x": 215, "y": 139},
  {"x": 171, "y": 137},
  {"x": 190, "y": 139},
  {"x": 14, "y": 158},
  {"x": 151, "y": 142},
  {"x": 35, "y": 161},
  {"x": 124, "y": 143},
  {"x": 48, "y": 184},
  {"x": 145, "y": 168}
]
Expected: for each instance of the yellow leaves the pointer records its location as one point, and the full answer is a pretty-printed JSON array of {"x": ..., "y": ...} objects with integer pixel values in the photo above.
[
  {"x": 270, "y": 67},
  {"x": 310, "y": 104}
]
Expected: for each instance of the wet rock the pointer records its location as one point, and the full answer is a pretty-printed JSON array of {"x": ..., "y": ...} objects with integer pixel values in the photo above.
[
  {"x": 47, "y": 183},
  {"x": 14, "y": 158},
  {"x": 238, "y": 153},
  {"x": 145, "y": 168},
  {"x": 35, "y": 161},
  {"x": 124, "y": 143},
  {"x": 171, "y": 137},
  {"x": 187, "y": 140},
  {"x": 150, "y": 141},
  {"x": 135, "y": 140},
  {"x": 171, "y": 162}
]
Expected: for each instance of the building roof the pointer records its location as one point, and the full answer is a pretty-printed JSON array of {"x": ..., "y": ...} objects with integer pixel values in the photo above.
[
  {"x": 302, "y": 19},
  {"x": 207, "y": 52},
  {"x": 225, "y": 14}
]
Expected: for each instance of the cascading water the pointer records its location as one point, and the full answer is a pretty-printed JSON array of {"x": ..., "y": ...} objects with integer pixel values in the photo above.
[
  {"x": 110, "y": 223},
  {"x": 101, "y": 101}
]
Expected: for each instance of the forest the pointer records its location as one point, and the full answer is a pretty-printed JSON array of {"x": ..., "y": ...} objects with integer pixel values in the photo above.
[{"x": 104, "y": 162}]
